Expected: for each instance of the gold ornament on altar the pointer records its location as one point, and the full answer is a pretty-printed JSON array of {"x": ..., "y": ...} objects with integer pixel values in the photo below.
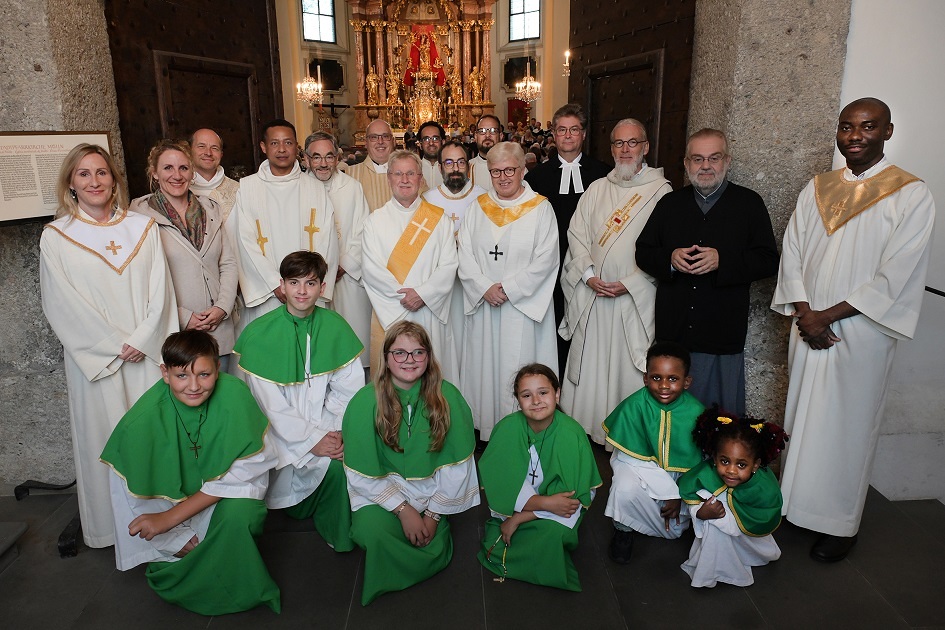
[{"x": 372, "y": 81}]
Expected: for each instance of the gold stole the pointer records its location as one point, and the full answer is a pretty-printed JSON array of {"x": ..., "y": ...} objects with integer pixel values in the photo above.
[
  {"x": 839, "y": 200},
  {"x": 503, "y": 216},
  {"x": 411, "y": 242}
]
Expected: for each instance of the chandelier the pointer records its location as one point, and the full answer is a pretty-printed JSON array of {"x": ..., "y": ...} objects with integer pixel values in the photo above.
[
  {"x": 310, "y": 90},
  {"x": 528, "y": 89}
]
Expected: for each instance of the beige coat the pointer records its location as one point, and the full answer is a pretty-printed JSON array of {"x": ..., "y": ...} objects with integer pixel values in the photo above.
[{"x": 201, "y": 279}]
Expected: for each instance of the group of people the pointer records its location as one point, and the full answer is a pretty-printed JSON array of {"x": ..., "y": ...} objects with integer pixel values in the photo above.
[{"x": 453, "y": 280}]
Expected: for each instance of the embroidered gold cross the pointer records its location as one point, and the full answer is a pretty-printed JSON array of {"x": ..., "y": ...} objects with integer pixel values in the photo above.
[
  {"x": 454, "y": 218},
  {"x": 421, "y": 227},
  {"x": 113, "y": 248},
  {"x": 261, "y": 240},
  {"x": 312, "y": 229}
]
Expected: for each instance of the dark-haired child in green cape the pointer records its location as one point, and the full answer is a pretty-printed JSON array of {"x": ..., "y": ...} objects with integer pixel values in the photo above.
[
  {"x": 734, "y": 499},
  {"x": 651, "y": 432},
  {"x": 301, "y": 363},
  {"x": 539, "y": 476},
  {"x": 190, "y": 464}
]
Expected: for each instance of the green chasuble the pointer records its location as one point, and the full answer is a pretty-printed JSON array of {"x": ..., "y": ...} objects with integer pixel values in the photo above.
[
  {"x": 755, "y": 504},
  {"x": 646, "y": 430},
  {"x": 367, "y": 455},
  {"x": 540, "y": 549},
  {"x": 150, "y": 450},
  {"x": 333, "y": 345}
]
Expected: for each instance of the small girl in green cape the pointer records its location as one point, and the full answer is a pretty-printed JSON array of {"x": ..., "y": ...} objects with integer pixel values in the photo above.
[{"x": 734, "y": 499}]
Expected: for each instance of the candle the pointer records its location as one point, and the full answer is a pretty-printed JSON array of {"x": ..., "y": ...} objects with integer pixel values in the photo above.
[{"x": 319, "y": 70}]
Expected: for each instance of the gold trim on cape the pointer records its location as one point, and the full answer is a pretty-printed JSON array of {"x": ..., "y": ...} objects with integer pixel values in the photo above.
[
  {"x": 503, "y": 216},
  {"x": 839, "y": 200},
  {"x": 411, "y": 242}
]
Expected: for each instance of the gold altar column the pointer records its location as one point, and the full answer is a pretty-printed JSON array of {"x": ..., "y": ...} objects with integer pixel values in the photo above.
[
  {"x": 487, "y": 60},
  {"x": 467, "y": 59},
  {"x": 379, "y": 52},
  {"x": 358, "y": 26}
]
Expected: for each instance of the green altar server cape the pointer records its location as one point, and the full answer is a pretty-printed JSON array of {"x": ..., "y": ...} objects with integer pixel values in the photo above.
[
  {"x": 565, "y": 454},
  {"x": 156, "y": 460},
  {"x": 540, "y": 549},
  {"x": 367, "y": 455},
  {"x": 647, "y": 430},
  {"x": 755, "y": 504},
  {"x": 324, "y": 338}
]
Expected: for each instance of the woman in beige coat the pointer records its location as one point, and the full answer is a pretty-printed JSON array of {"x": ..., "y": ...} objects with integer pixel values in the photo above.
[{"x": 201, "y": 260}]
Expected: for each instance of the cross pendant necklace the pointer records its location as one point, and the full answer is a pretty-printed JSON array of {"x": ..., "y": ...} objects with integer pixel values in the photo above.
[
  {"x": 409, "y": 421},
  {"x": 194, "y": 446},
  {"x": 533, "y": 470}
]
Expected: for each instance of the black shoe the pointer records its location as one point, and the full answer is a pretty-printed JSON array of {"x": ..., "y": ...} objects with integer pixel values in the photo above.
[
  {"x": 621, "y": 546},
  {"x": 832, "y": 548}
]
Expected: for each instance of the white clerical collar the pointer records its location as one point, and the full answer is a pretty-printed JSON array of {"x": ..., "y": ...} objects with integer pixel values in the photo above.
[
  {"x": 570, "y": 174},
  {"x": 378, "y": 168},
  {"x": 880, "y": 166}
]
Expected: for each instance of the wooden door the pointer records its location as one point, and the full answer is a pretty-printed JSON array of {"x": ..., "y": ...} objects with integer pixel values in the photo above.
[
  {"x": 180, "y": 66},
  {"x": 636, "y": 64}
]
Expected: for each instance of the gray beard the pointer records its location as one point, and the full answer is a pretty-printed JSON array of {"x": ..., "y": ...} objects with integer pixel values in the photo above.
[{"x": 626, "y": 172}]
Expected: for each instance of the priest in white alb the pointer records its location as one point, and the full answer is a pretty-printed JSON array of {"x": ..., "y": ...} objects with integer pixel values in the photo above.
[
  {"x": 609, "y": 301},
  {"x": 347, "y": 198},
  {"x": 280, "y": 210},
  {"x": 106, "y": 291},
  {"x": 409, "y": 262},
  {"x": 455, "y": 195},
  {"x": 487, "y": 135},
  {"x": 508, "y": 265},
  {"x": 852, "y": 275}
]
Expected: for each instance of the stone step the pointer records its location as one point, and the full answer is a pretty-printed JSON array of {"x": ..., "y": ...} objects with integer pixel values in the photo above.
[{"x": 10, "y": 533}]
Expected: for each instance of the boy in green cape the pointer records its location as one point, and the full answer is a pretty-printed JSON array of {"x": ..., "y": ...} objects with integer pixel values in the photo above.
[
  {"x": 301, "y": 364},
  {"x": 651, "y": 432},
  {"x": 189, "y": 466}
]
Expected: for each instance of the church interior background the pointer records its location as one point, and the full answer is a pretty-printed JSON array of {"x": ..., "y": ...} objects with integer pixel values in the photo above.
[{"x": 770, "y": 75}]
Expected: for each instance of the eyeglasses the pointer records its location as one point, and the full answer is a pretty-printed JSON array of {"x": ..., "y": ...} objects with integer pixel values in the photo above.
[
  {"x": 399, "y": 174},
  {"x": 563, "y": 131},
  {"x": 317, "y": 157},
  {"x": 400, "y": 356},
  {"x": 698, "y": 160},
  {"x": 482, "y": 130},
  {"x": 632, "y": 143},
  {"x": 460, "y": 163},
  {"x": 430, "y": 139},
  {"x": 376, "y": 137},
  {"x": 499, "y": 172}
]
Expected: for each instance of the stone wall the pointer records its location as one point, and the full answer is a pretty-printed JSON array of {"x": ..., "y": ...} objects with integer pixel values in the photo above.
[
  {"x": 55, "y": 74},
  {"x": 769, "y": 75}
]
